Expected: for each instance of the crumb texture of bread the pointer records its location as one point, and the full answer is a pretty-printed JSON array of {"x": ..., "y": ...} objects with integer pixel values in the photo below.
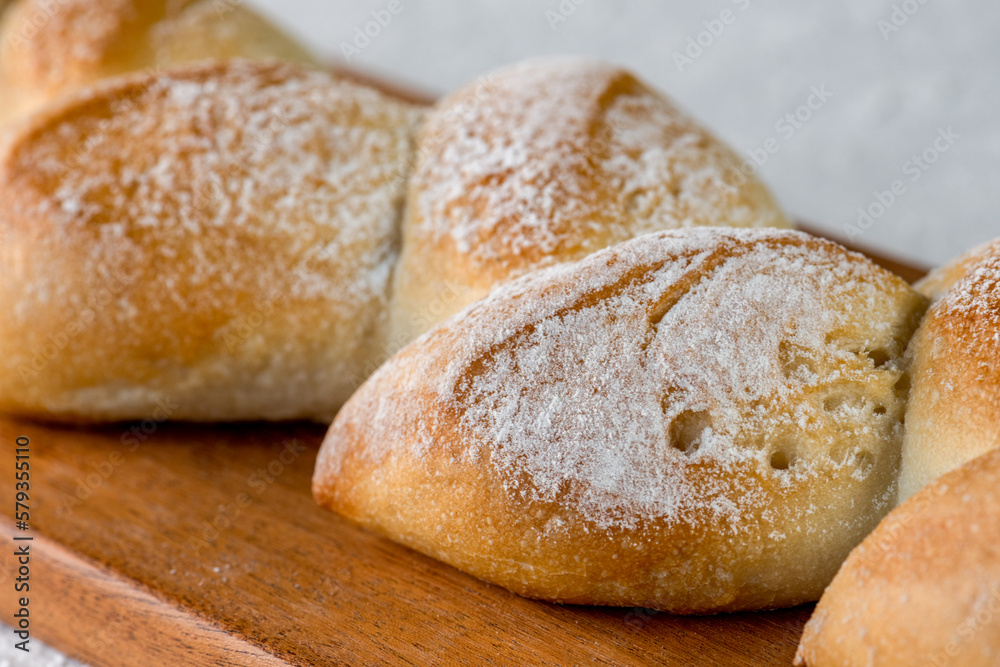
[
  {"x": 50, "y": 49},
  {"x": 548, "y": 161},
  {"x": 219, "y": 237},
  {"x": 924, "y": 587},
  {"x": 696, "y": 420},
  {"x": 953, "y": 414}
]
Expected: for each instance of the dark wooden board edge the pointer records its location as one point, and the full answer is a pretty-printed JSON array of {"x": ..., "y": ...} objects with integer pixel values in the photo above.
[{"x": 88, "y": 611}]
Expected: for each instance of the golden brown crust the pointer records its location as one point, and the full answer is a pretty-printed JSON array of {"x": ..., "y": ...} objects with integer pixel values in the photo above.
[
  {"x": 49, "y": 49},
  {"x": 939, "y": 281},
  {"x": 924, "y": 587},
  {"x": 954, "y": 407},
  {"x": 697, "y": 421},
  {"x": 220, "y": 237},
  {"x": 548, "y": 161}
]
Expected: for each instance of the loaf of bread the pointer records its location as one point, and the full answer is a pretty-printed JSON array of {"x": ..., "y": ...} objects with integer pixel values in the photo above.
[
  {"x": 50, "y": 48},
  {"x": 696, "y": 420},
  {"x": 924, "y": 587},
  {"x": 548, "y": 161},
  {"x": 953, "y": 414},
  {"x": 218, "y": 239}
]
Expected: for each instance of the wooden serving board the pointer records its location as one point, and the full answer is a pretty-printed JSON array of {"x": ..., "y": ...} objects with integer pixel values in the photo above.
[{"x": 166, "y": 544}]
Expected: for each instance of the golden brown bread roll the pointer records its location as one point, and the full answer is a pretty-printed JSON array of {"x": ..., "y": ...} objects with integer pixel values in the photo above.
[
  {"x": 939, "y": 281},
  {"x": 547, "y": 161},
  {"x": 51, "y": 48},
  {"x": 924, "y": 587},
  {"x": 219, "y": 238},
  {"x": 697, "y": 420},
  {"x": 953, "y": 414}
]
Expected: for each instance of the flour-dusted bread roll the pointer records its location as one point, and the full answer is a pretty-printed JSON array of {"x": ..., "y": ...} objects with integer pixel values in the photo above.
[
  {"x": 940, "y": 281},
  {"x": 218, "y": 239},
  {"x": 49, "y": 48},
  {"x": 548, "y": 161},
  {"x": 696, "y": 420},
  {"x": 924, "y": 587},
  {"x": 953, "y": 414}
]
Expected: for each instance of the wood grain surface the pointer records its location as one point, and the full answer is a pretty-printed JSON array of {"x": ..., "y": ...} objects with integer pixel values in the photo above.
[{"x": 167, "y": 544}]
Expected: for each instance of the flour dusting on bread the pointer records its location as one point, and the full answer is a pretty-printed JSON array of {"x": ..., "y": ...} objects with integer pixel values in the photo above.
[
  {"x": 510, "y": 164},
  {"x": 742, "y": 351},
  {"x": 216, "y": 193},
  {"x": 698, "y": 420}
]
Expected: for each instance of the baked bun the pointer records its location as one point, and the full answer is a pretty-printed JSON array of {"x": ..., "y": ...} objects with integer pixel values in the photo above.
[
  {"x": 953, "y": 414},
  {"x": 696, "y": 421},
  {"x": 548, "y": 161},
  {"x": 924, "y": 588},
  {"x": 49, "y": 48},
  {"x": 939, "y": 281},
  {"x": 218, "y": 238}
]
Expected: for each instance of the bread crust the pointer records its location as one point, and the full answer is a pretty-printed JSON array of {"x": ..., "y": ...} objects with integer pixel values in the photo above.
[
  {"x": 953, "y": 414},
  {"x": 548, "y": 161},
  {"x": 535, "y": 440},
  {"x": 219, "y": 237},
  {"x": 50, "y": 49},
  {"x": 924, "y": 587}
]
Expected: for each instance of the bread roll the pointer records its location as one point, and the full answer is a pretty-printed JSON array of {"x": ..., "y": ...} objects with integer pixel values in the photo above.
[
  {"x": 938, "y": 282},
  {"x": 50, "y": 48},
  {"x": 696, "y": 420},
  {"x": 953, "y": 414},
  {"x": 218, "y": 239},
  {"x": 924, "y": 588},
  {"x": 548, "y": 161}
]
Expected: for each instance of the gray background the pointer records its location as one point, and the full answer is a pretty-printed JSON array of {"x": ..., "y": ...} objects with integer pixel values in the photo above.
[{"x": 892, "y": 92}]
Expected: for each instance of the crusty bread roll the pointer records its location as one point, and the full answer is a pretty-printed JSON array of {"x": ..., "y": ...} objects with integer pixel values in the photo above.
[
  {"x": 548, "y": 161},
  {"x": 924, "y": 587},
  {"x": 940, "y": 281},
  {"x": 218, "y": 239},
  {"x": 50, "y": 48},
  {"x": 953, "y": 414},
  {"x": 696, "y": 420}
]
